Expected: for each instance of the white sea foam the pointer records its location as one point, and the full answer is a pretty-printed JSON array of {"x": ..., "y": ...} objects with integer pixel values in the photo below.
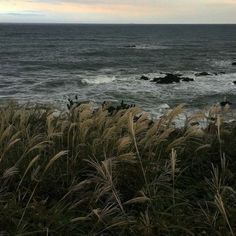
[
  {"x": 164, "y": 106},
  {"x": 151, "y": 47},
  {"x": 221, "y": 63},
  {"x": 101, "y": 79}
]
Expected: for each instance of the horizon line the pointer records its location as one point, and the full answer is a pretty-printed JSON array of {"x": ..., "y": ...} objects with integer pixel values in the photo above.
[{"x": 115, "y": 23}]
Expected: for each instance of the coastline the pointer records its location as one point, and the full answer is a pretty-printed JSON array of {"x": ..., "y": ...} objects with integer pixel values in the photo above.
[{"x": 117, "y": 129}]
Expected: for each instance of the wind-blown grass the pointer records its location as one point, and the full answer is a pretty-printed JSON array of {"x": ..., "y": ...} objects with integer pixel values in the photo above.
[{"x": 92, "y": 172}]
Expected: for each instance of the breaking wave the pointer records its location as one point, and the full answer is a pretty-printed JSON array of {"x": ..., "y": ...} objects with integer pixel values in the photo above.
[{"x": 101, "y": 79}]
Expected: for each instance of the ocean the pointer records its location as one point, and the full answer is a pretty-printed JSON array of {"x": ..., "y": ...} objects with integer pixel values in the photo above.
[{"x": 47, "y": 63}]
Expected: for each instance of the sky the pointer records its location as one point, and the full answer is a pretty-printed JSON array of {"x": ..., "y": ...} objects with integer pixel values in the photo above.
[{"x": 118, "y": 11}]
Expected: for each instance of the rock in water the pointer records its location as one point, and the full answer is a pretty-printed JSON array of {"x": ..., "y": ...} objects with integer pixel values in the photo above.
[
  {"x": 234, "y": 82},
  {"x": 171, "y": 78},
  {"x": 168, "y": 79},
  {"x": 219, "y": 73},
  {"x": 186, "y": 79},
  {"x": 202, "y": 74},
  {"x": 143, "y": 77},
  {"x": 234, "y": 64},
  {"x": 130, "y": 46}
]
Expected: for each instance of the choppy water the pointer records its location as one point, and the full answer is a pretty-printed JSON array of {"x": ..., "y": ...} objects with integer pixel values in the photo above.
[{"x": 47, "y": 63}]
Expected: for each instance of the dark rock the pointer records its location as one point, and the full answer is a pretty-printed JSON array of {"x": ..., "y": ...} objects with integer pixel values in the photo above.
[
  {"x": 130, "y": 46},
  {"x": 223, "y": 104},
  {"x": 113, "y": 109},
  {"x": 143, "y": 77},
  {"x": 168, "y": 79},
  {"x": 220, "y": 73},
  {"x": 234, "y": 82},
  {"x": 171, "y": 78},
  {"x": 202, "y": 74},
  {"x": 73, "y": 103},
  {"x": 124, "y": 106},
  {"x": 178, "y": 74},
  {"x": 186, "y": 79},
  {"x": 234, "y": 64}
]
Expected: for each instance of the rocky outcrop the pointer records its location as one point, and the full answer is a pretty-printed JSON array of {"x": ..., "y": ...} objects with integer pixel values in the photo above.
[
  {"x": 186, "y": 79},
  {"x": 113, "y": 109},
  {"x": 234, "y": 64},
  {"x": 143, "y": 77},
  {"x": 171, "y": 78}
]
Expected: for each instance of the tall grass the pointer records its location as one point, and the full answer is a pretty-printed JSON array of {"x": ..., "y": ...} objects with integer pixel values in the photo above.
[{"x": 92, "y": 172}]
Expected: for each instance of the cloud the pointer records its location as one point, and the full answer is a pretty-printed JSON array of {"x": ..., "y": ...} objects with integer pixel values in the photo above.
[
  {"x": 115, "y": 11},
  {"x": 25, "y": 13}
]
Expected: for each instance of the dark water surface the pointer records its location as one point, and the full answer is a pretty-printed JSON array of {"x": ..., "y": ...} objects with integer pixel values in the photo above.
[{"x": 47, "y": 63}]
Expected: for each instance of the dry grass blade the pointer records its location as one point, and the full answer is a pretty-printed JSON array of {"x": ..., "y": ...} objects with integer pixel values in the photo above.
[
  {"x": 173, "y": 162},
  {"x": 220, "y": 205},
  {"x": 203, "y": 147},
  {"x": 35, "y": 159},
  {"x": 10, "y": 172},
  {"x": 6, "y": 133},
  {"x": 123, "y": 143},
  {"x": 140, "y": 199},
  {"x": 40, "y": 145},
  {"x": 8, "y": 147},
  {"x": 53, "y": 159},
  {"x": 174, "y": 113}
]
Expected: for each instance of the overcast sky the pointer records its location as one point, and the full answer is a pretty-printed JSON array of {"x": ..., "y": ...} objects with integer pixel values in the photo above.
[{"x": 118, "y": 11}]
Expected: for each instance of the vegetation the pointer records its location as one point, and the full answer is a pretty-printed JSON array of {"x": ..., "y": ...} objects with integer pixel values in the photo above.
[{"x": 94, "y": 172}]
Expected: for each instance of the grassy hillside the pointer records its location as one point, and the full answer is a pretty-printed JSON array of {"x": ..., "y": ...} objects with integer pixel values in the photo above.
[{"x": 96, "y": 172}]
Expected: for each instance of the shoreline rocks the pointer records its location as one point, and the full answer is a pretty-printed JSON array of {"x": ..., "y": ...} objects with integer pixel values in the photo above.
[
  {"x": 224, "y": 103},
  {"x": 169, "y": 78},
  {"x": 113, "y": 109}
]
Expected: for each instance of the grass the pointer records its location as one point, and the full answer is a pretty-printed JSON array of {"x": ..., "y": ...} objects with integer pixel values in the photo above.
[{"x": 101, "y": 172}]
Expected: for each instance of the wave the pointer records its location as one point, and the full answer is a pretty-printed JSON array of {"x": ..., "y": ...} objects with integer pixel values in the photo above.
[
  {"x": 151, "y": 47},
  {"x": 101, "y": 79},
  {"x": 146, "y": 47},
  {"x": 164, "y": 106},
  {"x": 222, "y": 63}
]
